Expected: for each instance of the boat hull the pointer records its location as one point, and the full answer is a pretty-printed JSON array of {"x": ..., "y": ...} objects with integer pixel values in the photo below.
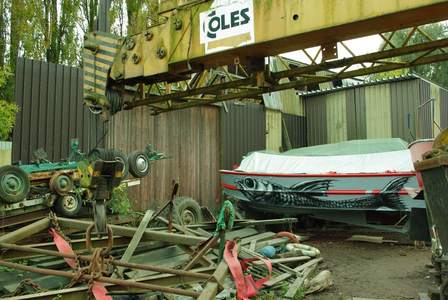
[{"x": 300, "y": 193}]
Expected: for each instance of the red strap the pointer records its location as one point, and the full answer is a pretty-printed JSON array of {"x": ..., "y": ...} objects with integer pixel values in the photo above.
[
  {"x": 98, "y": 289},
  {"x": 246, "y": 286}
]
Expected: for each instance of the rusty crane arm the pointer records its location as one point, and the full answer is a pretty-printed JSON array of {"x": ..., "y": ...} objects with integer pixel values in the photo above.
[{"x": 170, "y": 62}]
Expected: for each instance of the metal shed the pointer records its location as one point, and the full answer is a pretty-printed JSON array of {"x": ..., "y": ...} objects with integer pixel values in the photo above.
[{"x": 407, "y": 107}]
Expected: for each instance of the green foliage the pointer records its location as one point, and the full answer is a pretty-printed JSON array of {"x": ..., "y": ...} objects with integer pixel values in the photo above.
[
  {"x": 140, "y": 14},
  {"x": 8, "y": 110},
  {"x": 120, "y": 202},
  {"x": 7, "y": 118}
]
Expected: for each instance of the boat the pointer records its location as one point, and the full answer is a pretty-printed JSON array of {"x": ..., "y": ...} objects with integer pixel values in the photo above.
[{"x": 339, "y": 182}]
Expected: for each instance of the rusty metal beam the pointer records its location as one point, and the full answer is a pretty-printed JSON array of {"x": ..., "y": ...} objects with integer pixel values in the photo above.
[
  {"x": 124, "y": 283},
  {"x": 279, "y": 26},
  {"x": 117, "y": 263},
  {"x": 305, "y": 82},
  {"x": 300, "y": 71},
  {"x": 77, "y": 293}
]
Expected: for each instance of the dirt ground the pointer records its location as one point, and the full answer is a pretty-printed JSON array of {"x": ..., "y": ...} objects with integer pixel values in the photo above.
[{"x": 378, "y": 271}]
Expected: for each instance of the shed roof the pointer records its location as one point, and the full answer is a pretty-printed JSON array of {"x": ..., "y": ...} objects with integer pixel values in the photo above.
[{"x": 351, "y": 85}]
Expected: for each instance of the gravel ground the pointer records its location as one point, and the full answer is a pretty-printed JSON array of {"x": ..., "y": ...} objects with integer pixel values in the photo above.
[{"x": 378, "y": 271}]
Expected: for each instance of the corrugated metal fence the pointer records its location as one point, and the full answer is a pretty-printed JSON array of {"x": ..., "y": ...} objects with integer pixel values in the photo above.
[
  {"x": 51, "y": 111},
  {"x": 243, "y": 129},
  {"x": 407, "y": 108}
]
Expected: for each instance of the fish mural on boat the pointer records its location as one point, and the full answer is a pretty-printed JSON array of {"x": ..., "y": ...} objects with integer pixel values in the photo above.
[{"x": 313, "y": 194}]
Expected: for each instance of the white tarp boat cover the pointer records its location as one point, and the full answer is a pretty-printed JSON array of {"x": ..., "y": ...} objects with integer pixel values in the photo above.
[{"x": 393, "y": 161}]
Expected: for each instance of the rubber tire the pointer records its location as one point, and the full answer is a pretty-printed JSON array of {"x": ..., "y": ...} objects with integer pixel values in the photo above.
[
  {"x": 101, "y": 153},
  {"x": 133, "y": 168},
  {"x": 120, "y": 156},
  {"x": 181, "y": 204},
  {"x": 60, "y": 208},
  {"x": 23, "y": 176}
]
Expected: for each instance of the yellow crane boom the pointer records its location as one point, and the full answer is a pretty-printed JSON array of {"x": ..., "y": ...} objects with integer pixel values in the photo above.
[{"x": 191, "y": 37}]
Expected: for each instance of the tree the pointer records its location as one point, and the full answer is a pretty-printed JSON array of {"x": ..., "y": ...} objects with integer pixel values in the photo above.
[
  {"x": 89, "y": 10},
  {"x": 8, "y": 110},
  {"x": 18, "y": 25},
  {"x": 3, "y": 31},
  {"x": 52, "y": 34},
  {"x": 139, "y": 14}
]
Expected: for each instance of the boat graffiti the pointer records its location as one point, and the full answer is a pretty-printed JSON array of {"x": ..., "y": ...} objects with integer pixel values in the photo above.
[{"x": 313, "y": 194}]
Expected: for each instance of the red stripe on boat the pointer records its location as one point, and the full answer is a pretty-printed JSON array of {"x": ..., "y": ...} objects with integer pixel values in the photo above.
[
  {"x": 386, "y": 174},
  {"x": 330, "y": 192},
  {"x": 229, "y": 186}
]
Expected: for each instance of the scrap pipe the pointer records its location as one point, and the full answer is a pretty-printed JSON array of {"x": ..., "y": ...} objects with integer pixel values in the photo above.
[
  {"x": 125, "y": 283},
  {"x": 114, "y": 262}
]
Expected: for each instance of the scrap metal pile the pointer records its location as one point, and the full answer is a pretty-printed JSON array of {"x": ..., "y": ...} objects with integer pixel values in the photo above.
[{"x": 57, "y": 258}]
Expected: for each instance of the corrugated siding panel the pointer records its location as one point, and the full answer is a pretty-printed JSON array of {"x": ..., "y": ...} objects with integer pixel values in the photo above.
[
  {"x": 273, "y": 130},
  {"x": 356, "y": 114},
  {"x": 273, "y": 101},
  {"x": 443, "y": 108},
  {"x": 190, "y": 137},
  {"x": 435, "y": 94},
  {"x": 404, "y": 102},
  {"x": 336, "y": 117},
  {"x": 378, "y": 112},
  {"x": 291, "y": 103},
  {"x": 425, "y": 112},
  {"x": 51, "y": 111},
  {"x": 316, "y": 120},
  {"x": 243, "y": 129},
  {"x": 296, "y": 127}
]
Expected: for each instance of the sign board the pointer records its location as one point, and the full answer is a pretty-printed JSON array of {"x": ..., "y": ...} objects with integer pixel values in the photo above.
[{"x": 228, "y": 24}]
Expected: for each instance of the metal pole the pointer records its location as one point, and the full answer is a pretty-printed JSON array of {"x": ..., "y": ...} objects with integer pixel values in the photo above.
[
  {"x": 125, "y": 283},
  {"x": 114, "y": 262}
]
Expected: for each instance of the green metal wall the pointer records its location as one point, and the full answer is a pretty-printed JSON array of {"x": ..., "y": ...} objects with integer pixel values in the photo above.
[{"x": 394, "y": 108}]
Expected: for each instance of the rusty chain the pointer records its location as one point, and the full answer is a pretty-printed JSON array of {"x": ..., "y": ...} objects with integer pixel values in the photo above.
[
  {"x": 20, "y": 289},
  {"x": 100, "y": 263}
]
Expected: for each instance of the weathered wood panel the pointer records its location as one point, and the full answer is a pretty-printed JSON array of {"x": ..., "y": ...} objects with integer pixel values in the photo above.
[{"x": 190, "y": 137}]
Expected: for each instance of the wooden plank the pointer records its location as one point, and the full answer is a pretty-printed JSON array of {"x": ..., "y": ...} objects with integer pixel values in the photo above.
[
  {"x": 240, "y": 233},
  {"x": 204, "y": 249},
  {"x": 253, "y": 244},
  {"x": 211, "y": 288},
  {"x": 135, "y": 240},
  {"x": 285, "y": 260},
  {"x": 204, "y": 261},
  {"x": 273, "y": 242},
  {"x": 25, "y": 231},
  {"x": 298, "y": 269},
  {"x": 203, "y": 233},
  {"x": 298, "y": 283},
  {"x": 172, "y": 238},
  {"x": 257, "y": 237}
]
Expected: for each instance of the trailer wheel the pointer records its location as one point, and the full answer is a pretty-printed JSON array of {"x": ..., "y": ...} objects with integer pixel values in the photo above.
[
  {"x": 61, "y": 184},
  {"x": 187, "y": 211},
  {"x": 69, "y": 205},
  {"x": 139, "y": 164},
  {"x": 14, "y": 184},
  {"x": 121, "y": 157}
]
